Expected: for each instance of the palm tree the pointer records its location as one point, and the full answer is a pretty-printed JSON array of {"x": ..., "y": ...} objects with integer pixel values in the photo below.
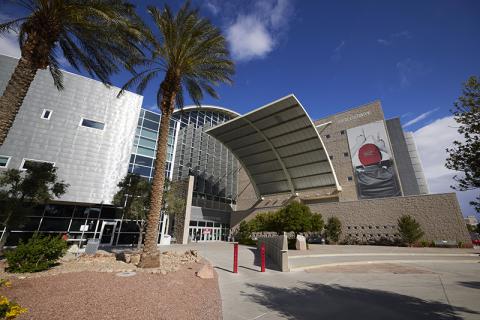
[
  {"x": 96, "y": 35},
  {"x": 192, "y": 56}
]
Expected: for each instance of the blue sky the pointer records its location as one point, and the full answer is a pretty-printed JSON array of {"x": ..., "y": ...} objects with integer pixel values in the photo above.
[{"x": 412, "y": 55}]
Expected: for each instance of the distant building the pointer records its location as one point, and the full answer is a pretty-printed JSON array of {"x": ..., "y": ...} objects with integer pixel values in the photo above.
[{"x": 471, "y": 220}]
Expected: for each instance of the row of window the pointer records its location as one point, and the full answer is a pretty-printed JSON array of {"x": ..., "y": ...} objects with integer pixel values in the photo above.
[
  {"x": 345, "y": 154},
  {"x": 4, "y": 161},
  {"x": 371, "y": 227},
  {"x": 342, "y": 132},
  {"x": 89, "y": 123}
]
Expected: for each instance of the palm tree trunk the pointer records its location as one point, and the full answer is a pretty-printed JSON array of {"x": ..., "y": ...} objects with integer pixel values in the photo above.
[
  {"x": 150, "y": 257},
  {"x": 15, "y": 92},
  {"x": 140, "y": 236}
]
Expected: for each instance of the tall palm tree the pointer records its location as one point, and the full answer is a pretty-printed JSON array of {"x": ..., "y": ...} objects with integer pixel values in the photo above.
[
  {"x": 191, "y": 54},
  {"x": 96, "y": 35}
]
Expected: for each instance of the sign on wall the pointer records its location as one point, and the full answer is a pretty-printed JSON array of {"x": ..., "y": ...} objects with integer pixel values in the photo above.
[{"x": 372, "y": 161}]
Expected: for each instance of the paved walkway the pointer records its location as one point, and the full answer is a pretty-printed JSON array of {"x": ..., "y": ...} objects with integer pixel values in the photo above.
[{"x": 367, "y": 288}]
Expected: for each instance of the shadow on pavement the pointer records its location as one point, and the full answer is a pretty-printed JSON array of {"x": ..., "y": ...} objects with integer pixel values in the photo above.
[
  {"x": 319, "y": 301},
  {"x": 470, "y": 284}
]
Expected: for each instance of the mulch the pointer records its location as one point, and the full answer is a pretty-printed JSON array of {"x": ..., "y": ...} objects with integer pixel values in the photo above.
[{"x": 104, "y": 295}]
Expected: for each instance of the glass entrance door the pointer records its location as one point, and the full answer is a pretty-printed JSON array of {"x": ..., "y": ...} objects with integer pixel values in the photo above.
[
  {"x": 201, "y": 234},
  {"x": 107, "y": 232}
]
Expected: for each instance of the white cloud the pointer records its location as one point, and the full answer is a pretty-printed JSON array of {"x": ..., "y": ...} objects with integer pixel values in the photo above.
[
  {"x": 420, "y": 117},
  {"x": 9, "y": 45},
  {"x": 337, "y": 52},
  {"x": 212, "y": 6},
  {"x": 409, "y": 69},
  {"x": 255, "y": 34},
  {"x": 432, "y": 141},
  {"x": 393, "y": 37},
  {"x": 249, "y": 39}
]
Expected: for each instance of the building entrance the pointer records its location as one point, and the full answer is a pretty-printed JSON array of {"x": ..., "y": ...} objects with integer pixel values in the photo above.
[
  {"x": 201, "y": 234},
  {"x": 107, "y": 232}
]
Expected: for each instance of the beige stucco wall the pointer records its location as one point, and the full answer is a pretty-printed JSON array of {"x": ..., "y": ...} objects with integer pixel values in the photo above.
[{"x": 438, "y": 214}]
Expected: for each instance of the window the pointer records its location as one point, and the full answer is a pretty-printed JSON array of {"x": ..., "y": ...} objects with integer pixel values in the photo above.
[
  {"x": 331, "y": 157},
  {"x": 92, "y": 124},
  {"x": 342, "y": 132},
  {"x": 27, "y": 162},
  {"x": 345, "y": 154},
  {"x": 349, "y": 178},
  {"x": 46, "y": 114},
  {"x": 327, "y": 136},
  {"x": 4, "y": 161}
]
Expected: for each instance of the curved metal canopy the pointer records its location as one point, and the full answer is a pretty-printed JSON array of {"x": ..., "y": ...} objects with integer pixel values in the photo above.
[{"x": 279, "y": 147}]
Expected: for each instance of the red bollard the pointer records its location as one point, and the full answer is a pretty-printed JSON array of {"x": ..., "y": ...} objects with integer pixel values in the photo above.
[
  {"x": 262, "y": 255},
  {"x": 235, "y": 258}
]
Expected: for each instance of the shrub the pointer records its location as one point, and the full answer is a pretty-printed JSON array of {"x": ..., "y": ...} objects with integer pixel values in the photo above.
[
  {"x": 244, "y": 233},
  {"x": 333, "y": 229},
  {"x": 37, "y": 254},
  {"x": 409, "y": 229},
  {"x": 9, "y": 309},
  {"x": 424, "y": 243}
]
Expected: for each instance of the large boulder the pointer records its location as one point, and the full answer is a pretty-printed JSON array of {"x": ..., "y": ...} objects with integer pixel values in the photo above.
[
  {"x": 205, "y": 272},
  {"x": 301, "y": 243}
]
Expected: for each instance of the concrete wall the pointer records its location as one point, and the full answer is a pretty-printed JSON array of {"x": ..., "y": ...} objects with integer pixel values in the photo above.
[
  {"x": 335, "y": 139},
  {"x": 91, "y": 161},
  {"x": 416, "y": 163},
  {"x": 276, "y": 250},
  {"x": 438, "y": 214},
  {"x": 403, "y": 162}
]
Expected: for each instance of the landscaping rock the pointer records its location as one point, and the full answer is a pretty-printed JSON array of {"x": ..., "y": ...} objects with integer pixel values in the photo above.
[
  {"x": 205, "y": 272},
  {"x": 301, "y": 243}
]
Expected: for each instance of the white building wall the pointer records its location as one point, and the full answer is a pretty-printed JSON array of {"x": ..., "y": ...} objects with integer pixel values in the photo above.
[
  {"x": 417, "y": 164},
  {"x": 91, "y": 161}
]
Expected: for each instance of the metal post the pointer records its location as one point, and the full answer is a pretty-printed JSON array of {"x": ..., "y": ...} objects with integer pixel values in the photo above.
[
  {"x": 235, "y": 257},
  {"x": 262, "y": 255}
]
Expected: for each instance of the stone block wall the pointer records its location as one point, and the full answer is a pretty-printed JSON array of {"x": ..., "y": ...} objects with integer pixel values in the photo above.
[{"x": 438, "y": 214}]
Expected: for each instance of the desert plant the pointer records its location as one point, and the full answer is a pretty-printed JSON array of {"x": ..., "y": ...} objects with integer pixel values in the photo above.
[
  {"x": 134, "y": 196},
  {"x": 244, "y": 233},
  {"x": 409, "y": 230},
  {"x": 9, "y": 309},
  {"x": 37, "y": 254},
  {"x": 192, "y": 56},
  {"x": 96, "y": 36},
  {"x": 333, "y": 229},
  {"x": 20, "y": 192}
]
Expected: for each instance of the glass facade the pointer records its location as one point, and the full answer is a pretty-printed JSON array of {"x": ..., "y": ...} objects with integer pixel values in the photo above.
[
  {"x": 190, "y": 151},
  {"x": 199, "y": 154},
  {"x": 144, "y": 145},
  {"x": 80, "y": 222}
]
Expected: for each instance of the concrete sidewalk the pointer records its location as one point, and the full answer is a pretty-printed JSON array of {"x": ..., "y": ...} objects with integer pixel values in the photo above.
[{"x": 420, "y": 289}]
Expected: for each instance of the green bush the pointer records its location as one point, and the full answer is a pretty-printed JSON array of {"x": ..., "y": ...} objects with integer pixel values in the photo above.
[
  {"x": 409, "y": 229},
  {"x": 333, "y": 228},
  {"x": 37, "y": 254}
]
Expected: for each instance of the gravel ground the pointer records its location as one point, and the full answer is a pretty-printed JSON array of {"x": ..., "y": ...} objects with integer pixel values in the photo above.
[{"x": 104, "y": 295}]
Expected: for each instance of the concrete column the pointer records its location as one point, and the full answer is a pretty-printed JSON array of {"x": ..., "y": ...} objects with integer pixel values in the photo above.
[{"x": 188, "y": 209}]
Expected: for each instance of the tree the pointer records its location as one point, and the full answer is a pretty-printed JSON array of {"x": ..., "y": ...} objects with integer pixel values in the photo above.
[
  {"x": 21, "y": 191},
  {"x": 94, "y": 35},
  {"x": 295, "y": 217},
  {"x": 317, "y": 222},
  {"x": 409, "y": 229},
  {"x": 333, "y": 229},
  {"x": 192, "y": 55},
  {"x": 134, "y": 197},
  {"x": 176, "y": 202},
  {"x": 465, "y": 155}
]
